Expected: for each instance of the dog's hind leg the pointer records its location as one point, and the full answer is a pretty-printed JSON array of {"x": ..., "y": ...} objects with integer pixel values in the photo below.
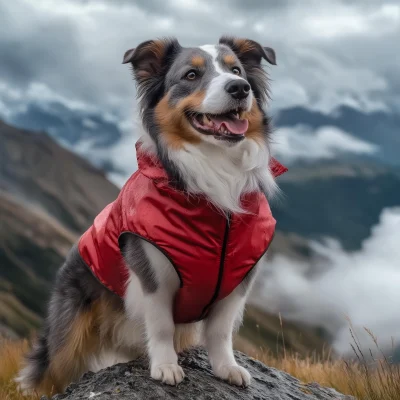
[
  {"x": 73, "y": 330},
  {"x": 50, "y": 368}
]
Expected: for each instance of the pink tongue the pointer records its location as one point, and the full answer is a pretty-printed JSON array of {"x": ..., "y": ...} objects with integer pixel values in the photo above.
[{"x": 234, "y": 125}]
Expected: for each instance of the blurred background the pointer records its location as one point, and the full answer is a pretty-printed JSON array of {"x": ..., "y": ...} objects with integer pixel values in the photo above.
[{"x": 68, "y": 125}]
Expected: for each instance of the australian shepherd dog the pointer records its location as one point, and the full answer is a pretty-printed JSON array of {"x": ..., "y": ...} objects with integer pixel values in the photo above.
[{"x": 205, "y": 146}]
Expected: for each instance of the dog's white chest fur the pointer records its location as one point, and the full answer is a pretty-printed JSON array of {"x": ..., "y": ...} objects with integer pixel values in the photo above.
[{"x": 223, "y": 173}]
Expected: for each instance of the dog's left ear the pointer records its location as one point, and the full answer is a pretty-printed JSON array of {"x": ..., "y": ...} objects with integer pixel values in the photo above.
[
  {"x": 248, "y": 51},
  {"x": 149, "y": 58}
]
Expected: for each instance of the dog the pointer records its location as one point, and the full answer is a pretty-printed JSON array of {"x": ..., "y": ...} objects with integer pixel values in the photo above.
[{"x": 170, "y": 263}]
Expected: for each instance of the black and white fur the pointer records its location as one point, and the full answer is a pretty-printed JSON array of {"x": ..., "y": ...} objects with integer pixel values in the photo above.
[{"x": 221, "y": 170}]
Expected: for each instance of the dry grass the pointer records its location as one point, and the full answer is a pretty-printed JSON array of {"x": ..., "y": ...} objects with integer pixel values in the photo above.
[
  {"x": 365, "y": 377},
  {"x": 378, "y": 380},
  {"x": 10, "y": 359}
]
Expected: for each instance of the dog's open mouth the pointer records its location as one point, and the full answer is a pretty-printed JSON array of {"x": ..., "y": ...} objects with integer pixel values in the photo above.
[{"x": 227, "y": 126}]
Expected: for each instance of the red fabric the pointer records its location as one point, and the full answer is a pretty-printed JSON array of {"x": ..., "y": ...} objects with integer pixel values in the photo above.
[
  {"x": 276, "y": 167},
  {"x": 188, "y": 230}
]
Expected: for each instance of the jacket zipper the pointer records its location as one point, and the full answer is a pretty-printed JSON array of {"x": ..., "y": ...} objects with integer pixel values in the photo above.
[{"x": 221, "y": 268}]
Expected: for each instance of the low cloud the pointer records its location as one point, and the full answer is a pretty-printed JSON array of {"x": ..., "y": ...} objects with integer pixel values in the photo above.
[
  {"x": 75, "y": 47},
  {"x": 361, "y": 285},
  {"x": 302, "y": 143},
  {"x": 118, "y": 159}
]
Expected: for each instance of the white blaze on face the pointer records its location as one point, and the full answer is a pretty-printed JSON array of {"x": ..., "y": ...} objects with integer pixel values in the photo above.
[
  {"x": 217, "y": 100},
  {"x": 213, "y": 52}
]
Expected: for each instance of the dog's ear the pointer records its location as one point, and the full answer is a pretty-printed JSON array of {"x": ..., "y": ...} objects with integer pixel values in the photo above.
[
  {"x": 250, "y": 54},
  {"x": 248, "y": 51},
  {"x": 150, "y": 58}
]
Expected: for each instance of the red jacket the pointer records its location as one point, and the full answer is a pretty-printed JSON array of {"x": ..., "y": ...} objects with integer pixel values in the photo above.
[{"x": 211, "y": 254}]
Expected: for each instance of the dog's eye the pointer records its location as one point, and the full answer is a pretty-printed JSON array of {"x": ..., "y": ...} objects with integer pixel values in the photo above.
[
  {"x": 236, "y": 70},
  {"x": 191, "y": 75}
]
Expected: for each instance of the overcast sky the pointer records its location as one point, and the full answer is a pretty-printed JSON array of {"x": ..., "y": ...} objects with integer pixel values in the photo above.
[{"x": 329, "y": 52}]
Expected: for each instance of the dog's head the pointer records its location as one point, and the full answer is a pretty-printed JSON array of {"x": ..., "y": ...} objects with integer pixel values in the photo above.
[{"x": 212, "y": 93}]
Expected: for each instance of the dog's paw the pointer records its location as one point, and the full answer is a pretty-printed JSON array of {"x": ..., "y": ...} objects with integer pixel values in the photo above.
[
  {"x": 234, "y": 374},
  {"x": 171, "y": 374}
]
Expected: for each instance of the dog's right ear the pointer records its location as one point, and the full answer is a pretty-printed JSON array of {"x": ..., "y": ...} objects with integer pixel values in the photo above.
[{"x": 150, "y": 58}]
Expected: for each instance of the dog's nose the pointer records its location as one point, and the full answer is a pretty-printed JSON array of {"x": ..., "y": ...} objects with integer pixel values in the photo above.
[{"x": 238, "y": 88}]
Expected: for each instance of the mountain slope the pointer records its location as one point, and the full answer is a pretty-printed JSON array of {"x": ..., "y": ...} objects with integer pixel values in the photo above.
[
  {"x": 262, "y": 331},
  {"x": 336, "y": 199},
  {"x": 32, "y": 248},
  {"x": 37, "y": 171},
  {"x": 48, "y": 197}
]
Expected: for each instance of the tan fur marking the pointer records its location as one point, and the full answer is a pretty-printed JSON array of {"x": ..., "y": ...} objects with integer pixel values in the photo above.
[
  {"x": 70, "y": 362},
  {"x": 255, "y": 118},
  {"x": 157, "y": 47},
  {"x": 229, "y": 59},
  {"x": 174, "y": 126},
  {"x": 90, "y": 332},
  {"x": 244, "y": 45},
  {"x": 186, "y": 336},
  {"x": 198, "y": 61}
]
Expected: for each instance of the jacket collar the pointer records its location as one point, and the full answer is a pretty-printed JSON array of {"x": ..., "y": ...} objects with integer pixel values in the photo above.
[{"x": 150, "y": 165}]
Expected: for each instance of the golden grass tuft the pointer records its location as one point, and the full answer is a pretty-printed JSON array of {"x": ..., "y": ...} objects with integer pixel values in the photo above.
[
  {"x": 11, "y": 353},
  {"x": 366, "y": 377}
]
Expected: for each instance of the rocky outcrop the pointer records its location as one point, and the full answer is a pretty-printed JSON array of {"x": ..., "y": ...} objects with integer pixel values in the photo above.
[{"x": 132, "y": 381}]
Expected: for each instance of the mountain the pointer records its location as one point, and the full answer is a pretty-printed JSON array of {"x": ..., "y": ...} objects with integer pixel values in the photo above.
[
  {"x": 378, "y": 127},
  {"x": 32, "y": 248},
  {"x": 68, "y": 125},
  {"x": 39, "y": 172},
  {"x": 48, "y": 197},
  {"x": 338, "y": 199}
]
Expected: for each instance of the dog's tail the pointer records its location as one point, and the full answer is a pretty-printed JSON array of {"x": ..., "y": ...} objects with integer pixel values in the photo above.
[{"x": 34, "y": 376}]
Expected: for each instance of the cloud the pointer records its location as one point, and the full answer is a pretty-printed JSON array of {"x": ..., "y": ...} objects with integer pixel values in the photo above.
[
  {"x": 302, "y": 143},
  {"x": 375, "y": 21},
  {"x": 119, "y": 158},
  {"x": 75, "y": 48},
  {"x": 363, "y": 285}
]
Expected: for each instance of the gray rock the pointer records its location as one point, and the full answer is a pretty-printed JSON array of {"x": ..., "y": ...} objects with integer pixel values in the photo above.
[{"x": 132, "y": 381}]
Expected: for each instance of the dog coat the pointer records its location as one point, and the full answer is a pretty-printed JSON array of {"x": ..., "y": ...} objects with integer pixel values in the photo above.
[{"x": 211, "y": 253}]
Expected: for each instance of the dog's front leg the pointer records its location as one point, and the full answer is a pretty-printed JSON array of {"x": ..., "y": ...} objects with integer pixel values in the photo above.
[
  {"x": 160, "y": 330},
  {"x": 151, "y": 293},
  {"x": 224, "y": 317}
]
